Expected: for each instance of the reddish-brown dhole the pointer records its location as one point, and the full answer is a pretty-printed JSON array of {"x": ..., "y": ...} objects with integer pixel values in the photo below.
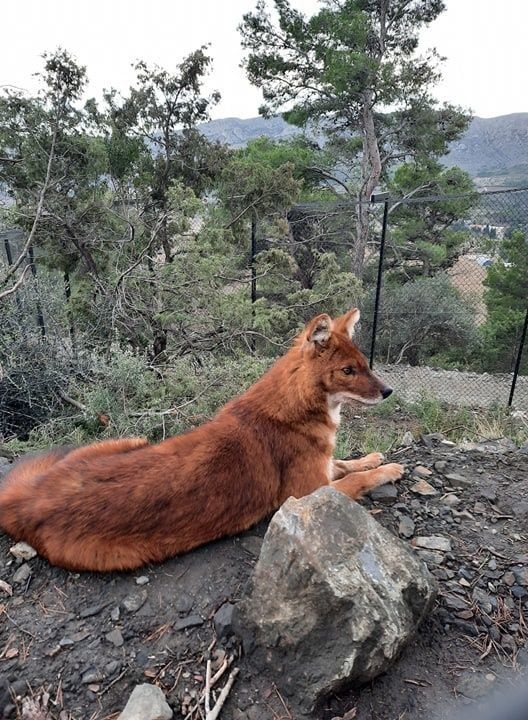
[{"x": 119, "y": 504}]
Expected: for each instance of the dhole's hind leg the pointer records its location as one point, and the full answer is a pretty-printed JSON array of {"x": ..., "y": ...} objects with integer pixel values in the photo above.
[
  {"x": 344, "y": 467},
  {"x": 357, "y": 483},
  {"x": 107, "y": 447}
]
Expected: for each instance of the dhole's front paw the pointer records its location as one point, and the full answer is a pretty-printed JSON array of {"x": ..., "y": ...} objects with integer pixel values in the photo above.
[
  {"x": 390, "y": 473},
  {"x": 372, "y": 460}
]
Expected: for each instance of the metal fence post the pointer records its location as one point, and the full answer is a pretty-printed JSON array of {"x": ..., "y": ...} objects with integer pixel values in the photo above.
[
  {"x": 253, "y": 254},
  {"x": 518, "y": 360},
  {"x": 383, "y": 197}
]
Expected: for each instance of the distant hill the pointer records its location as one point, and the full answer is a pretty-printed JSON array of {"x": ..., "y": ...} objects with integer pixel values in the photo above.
[{"x": 493, "y": 150}]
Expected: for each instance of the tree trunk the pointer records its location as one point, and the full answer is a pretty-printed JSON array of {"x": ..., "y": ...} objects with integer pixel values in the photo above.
[{"x": 370, "y": 176}]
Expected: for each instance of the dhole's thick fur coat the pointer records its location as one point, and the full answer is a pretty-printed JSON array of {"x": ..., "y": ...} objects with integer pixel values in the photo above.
[{"x": 119, "y": 504}]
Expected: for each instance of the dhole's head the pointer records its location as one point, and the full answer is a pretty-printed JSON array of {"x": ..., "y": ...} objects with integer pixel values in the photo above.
[{"x": 340, "y": 367}]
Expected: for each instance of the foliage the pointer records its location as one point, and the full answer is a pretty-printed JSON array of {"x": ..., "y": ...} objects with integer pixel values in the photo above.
[
  {"x": 421, "y": 318},
  {"x": 427, "y": 236},
  {"x": 506, "y": 304},
  {"x": 341, "y": 69}
]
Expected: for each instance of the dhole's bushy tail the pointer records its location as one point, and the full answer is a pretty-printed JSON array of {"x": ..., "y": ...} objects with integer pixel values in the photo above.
[
  {"x": 19, "y": 493},
  {"x": 19, "y": 486}
]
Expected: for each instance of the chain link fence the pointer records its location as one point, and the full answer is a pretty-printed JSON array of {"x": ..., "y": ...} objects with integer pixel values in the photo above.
[
  {"x": 452, "y": 307},
  {"x": 445, "y": 290}
]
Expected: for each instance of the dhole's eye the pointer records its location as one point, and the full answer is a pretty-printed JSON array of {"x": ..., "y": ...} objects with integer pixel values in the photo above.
[{"x": 349, "y": 370}]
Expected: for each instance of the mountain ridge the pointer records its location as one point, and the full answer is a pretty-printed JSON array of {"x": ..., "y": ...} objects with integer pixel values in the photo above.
[{"x": 493, "y": 150}]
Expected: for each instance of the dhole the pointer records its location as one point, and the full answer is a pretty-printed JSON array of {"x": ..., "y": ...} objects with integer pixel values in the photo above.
[{"x": 119, "y": 504}]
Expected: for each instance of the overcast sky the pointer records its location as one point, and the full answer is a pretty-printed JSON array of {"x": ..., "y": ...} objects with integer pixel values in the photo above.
[{"x": 482, "y": 39}]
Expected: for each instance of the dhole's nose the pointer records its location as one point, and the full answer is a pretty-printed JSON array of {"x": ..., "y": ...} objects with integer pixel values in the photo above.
[{"x": 386, "y": 391}]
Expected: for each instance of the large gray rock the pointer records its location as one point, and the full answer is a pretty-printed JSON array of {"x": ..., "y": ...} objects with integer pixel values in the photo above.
[
  {"x": 147, "y": 702},
  {"x": 334, "y": 597}
]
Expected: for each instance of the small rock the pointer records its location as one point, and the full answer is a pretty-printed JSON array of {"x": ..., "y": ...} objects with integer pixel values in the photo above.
[
  {"x": 92, "y": 610},
  {"x": 433, "y": 542},
  {"x": 442, "y": 573},
  {"x": 142, "y": 580},
  {"x": 22, "y": 574},
  {"x": 432, "y": 439},
  {"x": 465, "y": 614},
  {"x": 459, "y": 480},
  {"x": 386, "y": 494},
  {"x": 112, "y": 667},
  {"x": 6, "y": 588},
  {"x": 142, "y": 658},
  {"x": 18, "y": 688},
  {"x": 223, "y": 619},
  {"x": 431, "y": 557},
  {"x": 188, "y": 622},
  {"x": 23, "y": 551},
  {"x": 422, "y": 471},
  {"x": 508, "y": 579},
  {"x": 492, "y": 564},
  {"x": 184, "y": 603},
  {"x": 519, "y": 592},
  {"x": 115, "y": 614},
  {"x": 147, "y": 702},
  {"x": 485, "y": 601},
  {"x": 422, "y": 487},
  {"x": 455, "y": 603},
  {"x": 406, "y": 526},
  {"x": 115, "y": 637},
  {"x": 474, "y": 685},
  {"x": 521, "y": 576},
  {"x": 498, "y": 447},
  {"x": 408, "y": 439},
  {"x": 451, "y": 500},
  {"x": 489, "y": 493},
  {"x": 508, "y": 643},
  {"x": 92, "y": 676},
  {"x": 135, "y": 600},
  {"x": 479, "y": 508},
  {"x": 440, "y": 466}
]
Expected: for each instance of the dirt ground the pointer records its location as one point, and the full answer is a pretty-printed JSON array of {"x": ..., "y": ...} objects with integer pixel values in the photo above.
[{"x": 78, "y": 643}]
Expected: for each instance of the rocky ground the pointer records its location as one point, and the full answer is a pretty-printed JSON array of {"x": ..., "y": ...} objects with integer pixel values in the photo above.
[{"x": 73, "y": 646}]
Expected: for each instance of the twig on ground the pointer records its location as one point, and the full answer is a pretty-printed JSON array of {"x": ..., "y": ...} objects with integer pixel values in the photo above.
[
  {"x": 215, "y": 712},
  {"x": 207, "y": 699}
]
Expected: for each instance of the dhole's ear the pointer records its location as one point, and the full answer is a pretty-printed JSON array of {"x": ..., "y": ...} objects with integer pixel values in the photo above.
[
  {"x": 346, "y": 324},
  {"x": 319, "y": 329}
]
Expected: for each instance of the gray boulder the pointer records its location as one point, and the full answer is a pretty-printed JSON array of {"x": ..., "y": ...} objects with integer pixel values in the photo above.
[
  {"x": 147, "y": 702},
  {"x": 334, "y": 598}
]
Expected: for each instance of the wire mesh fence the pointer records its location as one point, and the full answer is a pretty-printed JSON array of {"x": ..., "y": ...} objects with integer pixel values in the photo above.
[
  {"x": 453, "y": 306},
  {"x": 444, "y": 290}
]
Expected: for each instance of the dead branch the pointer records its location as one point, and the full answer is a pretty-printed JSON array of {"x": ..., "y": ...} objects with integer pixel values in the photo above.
[
  {"x": 215, "y": 712},
  {"x": 14, "y": 288}
]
